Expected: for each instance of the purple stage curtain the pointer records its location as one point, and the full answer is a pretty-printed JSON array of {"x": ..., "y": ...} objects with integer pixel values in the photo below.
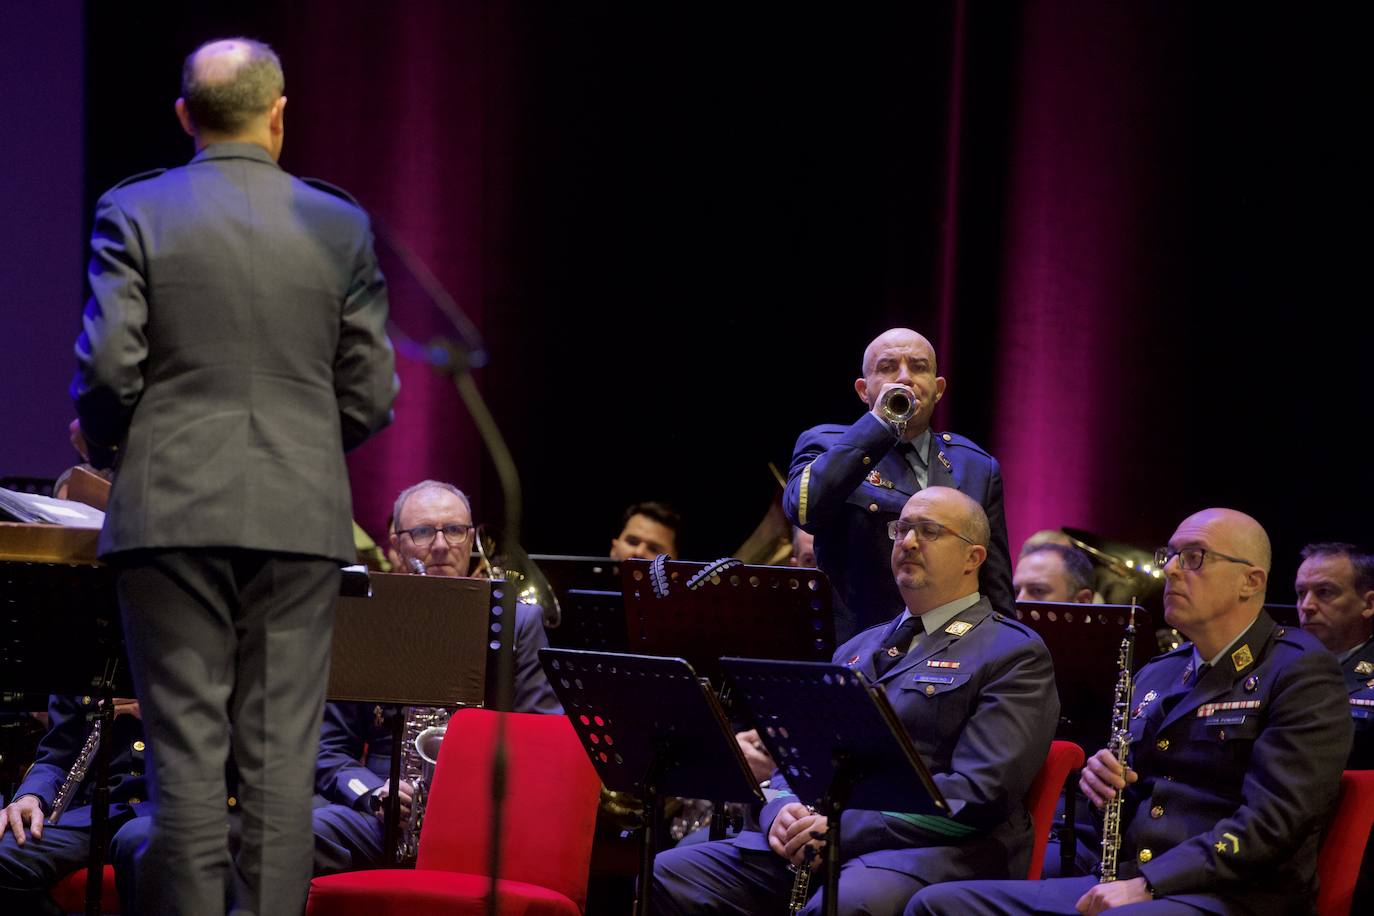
[{"x": 393, "y": 105}]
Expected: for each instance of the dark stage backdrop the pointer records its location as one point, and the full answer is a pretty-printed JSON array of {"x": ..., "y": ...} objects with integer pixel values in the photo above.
[{"x": 1134, "y": 232}]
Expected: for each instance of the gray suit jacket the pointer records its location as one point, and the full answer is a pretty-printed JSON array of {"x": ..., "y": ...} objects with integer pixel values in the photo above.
[{"x": 234, "y": 347}]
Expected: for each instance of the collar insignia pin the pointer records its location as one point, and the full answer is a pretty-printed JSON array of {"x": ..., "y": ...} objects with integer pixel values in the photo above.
[
  {"x": 1364, "y": 668},
  {"x": 1242, "y": 658},
  {"x": 944, "y": 461},
  {"x": 958, "y": 628}
]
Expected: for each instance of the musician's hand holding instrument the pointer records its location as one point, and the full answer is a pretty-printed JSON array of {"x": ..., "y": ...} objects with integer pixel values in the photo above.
[
  {"x": 795, "y": 828},
  {"x": 1103, "y": 775}
]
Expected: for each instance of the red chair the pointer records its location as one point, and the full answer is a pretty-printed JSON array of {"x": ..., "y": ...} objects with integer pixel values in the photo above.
[
  {"x": 1064, "y": 758},
  {"x": 70, "y": 892},
  {"x": 546, "y": 844},
  {"x": 1342, "y": 849}
]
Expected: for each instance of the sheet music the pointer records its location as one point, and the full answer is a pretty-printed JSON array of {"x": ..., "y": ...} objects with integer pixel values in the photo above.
[{"x": 30, "y": 507}]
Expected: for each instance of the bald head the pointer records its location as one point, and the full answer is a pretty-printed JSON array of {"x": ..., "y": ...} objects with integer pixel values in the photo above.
[
  {"x": 1232, "y": 532},
  {"x": 1214, "y": 602},
  {"x": 231, "y": 86},
  {"x": 904, "y": 338}
]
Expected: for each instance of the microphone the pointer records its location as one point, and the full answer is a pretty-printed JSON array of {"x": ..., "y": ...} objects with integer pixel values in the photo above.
[{"x": 416, "y": 565}]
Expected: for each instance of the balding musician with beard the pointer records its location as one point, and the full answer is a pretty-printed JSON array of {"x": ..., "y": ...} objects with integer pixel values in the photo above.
[
  {"x": 1238, "y": 739},
  {"x": 975, "y": 691},
  {"x": 846, "y": 483}
]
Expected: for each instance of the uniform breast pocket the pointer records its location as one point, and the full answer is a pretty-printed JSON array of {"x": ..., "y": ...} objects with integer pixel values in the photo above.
[
  {"x": 942, "y": 696},
  {"x": 880, "y": 502},
  {"x": 1233, "y": 731}
]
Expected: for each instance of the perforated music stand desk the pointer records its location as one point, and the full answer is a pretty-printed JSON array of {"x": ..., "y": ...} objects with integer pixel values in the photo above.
[
  {"x": 753, "y": 611},
  {"x": 651, "y": 727},
  {"x": 419, "y": 641},
  {"x": 837, "y": 741},
  {"x": 592, "y": 620}
]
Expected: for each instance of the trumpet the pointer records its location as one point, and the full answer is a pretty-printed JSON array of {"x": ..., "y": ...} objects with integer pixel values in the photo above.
[{"x": 897, "y": 405}]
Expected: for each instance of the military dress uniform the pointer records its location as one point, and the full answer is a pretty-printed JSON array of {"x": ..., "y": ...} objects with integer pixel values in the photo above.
[
  {"x": 26, "y": 872},
  {"x": 847, "y": 482},
  {"x": 1359, "y": 682},
  {"x": 1238, "y": 774},
  {"x": 355, "y": 757},
  {"x": 978, "y": 699}
]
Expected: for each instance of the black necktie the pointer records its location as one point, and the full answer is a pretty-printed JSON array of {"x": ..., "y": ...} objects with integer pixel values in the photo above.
[{"x": 897, "y": 646}]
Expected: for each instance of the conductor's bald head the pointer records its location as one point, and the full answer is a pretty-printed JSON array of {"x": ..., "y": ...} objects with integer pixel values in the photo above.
[{"x": 231, "y": 90}]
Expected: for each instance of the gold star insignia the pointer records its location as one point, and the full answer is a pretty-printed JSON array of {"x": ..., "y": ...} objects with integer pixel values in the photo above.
[{"x": 1219, "y": 846}]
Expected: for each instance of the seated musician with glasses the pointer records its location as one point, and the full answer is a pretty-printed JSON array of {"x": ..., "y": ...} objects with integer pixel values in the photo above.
[
  {"x": 36, "y": 852},
  {"x": 433, "y": 530},
  {"x": 975, "y": 690},
  {"x": 1237, "y": 742}
]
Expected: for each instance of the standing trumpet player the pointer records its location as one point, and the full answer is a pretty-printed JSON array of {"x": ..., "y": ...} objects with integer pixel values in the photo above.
[
  {"x": 1238, "y": 739},
  {"x": 847, "y": 482}
]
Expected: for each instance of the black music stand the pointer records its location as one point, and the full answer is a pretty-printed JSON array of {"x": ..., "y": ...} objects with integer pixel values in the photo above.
[
  {"x": 564, "y": 573},
  {"x": 592, "y": 620},
  {"x": 418, "y": 641},
  {"x": 1084, "y": 641},
  {"x": 838, "y": 742},
  {"x": 754, "y": 611},
  {"x": 652, "y": 727},
  {"x": 73, "y": 605}
]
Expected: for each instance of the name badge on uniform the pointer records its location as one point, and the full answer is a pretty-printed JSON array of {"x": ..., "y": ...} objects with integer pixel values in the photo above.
[
  {"x": 1224, "y": 720},
  {"x": 932, "y": 679},
  {"x": 1207, "y": 709}
]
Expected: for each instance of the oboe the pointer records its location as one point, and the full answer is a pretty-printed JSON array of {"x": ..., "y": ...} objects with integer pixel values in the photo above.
[
  {"x": 1119, "y": 744},
  {"x": 801, "y": 882}
]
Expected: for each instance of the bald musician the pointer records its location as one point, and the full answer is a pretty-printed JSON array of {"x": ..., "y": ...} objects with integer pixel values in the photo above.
[{"x": 846, "y": 483}]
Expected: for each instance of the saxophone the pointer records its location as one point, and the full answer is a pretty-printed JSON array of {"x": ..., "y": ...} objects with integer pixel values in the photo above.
[
  {"x": 424, "y": 729},
  {"x": 76, "y": 774},
  {"x": 1119, "y": 744}
]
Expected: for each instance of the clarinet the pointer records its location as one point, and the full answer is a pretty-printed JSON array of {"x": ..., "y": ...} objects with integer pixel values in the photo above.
[
  {"x": 1119, "y": 744},
  {"x": 76, "y": 774}
]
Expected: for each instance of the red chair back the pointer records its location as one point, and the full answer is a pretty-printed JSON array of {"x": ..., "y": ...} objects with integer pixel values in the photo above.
[
  {"x": 1064, "y": 758},
  {"x": 550, "y": 809},
  {"x": 1342, "y": 849}
]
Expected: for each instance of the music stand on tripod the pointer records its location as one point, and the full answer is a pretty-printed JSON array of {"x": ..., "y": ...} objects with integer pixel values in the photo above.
[
  {"x": 651, "y": 727},
  {"x": 838, "y": 743}
]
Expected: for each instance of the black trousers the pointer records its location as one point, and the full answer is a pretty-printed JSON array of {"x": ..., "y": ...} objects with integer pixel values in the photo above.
[{"x": 229, "y": 649}]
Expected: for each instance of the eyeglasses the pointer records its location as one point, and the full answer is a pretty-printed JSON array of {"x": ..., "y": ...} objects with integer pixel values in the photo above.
[
  {"x": 1192, "y": 557},
  {"x": 926, "y": 530},
  {"x": 424, "y": 535}
]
